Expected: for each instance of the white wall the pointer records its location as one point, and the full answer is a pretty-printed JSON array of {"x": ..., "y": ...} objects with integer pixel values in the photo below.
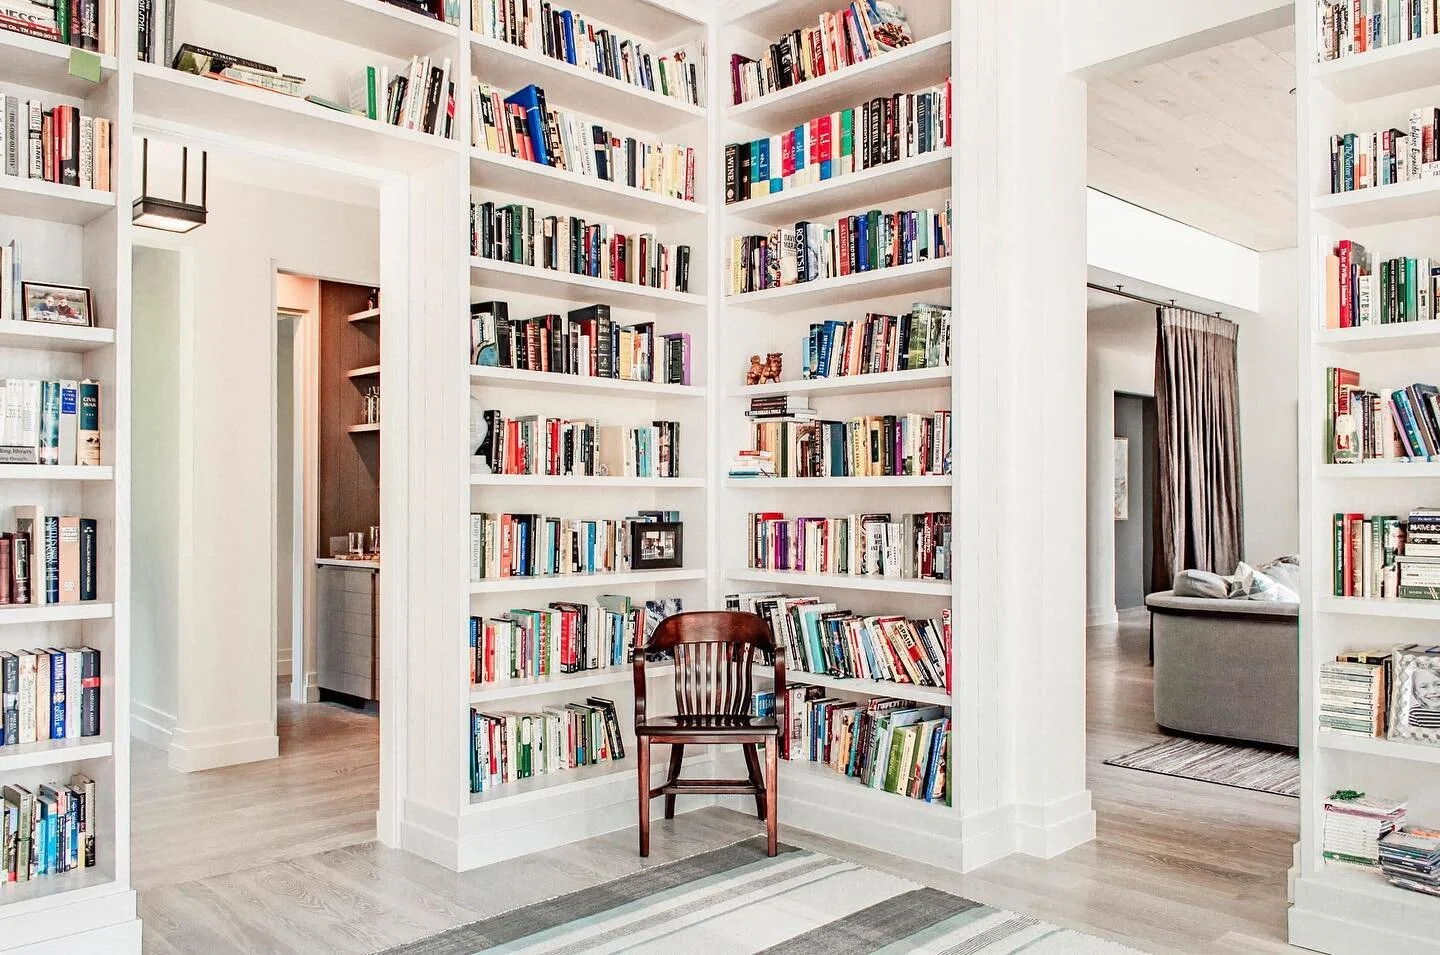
[
  {"x": 226, "y": 681},
  {"x": 1113, "y": 35}
]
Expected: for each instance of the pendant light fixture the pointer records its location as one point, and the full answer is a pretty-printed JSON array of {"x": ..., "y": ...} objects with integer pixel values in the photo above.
[{"x": 168, "y": 215}]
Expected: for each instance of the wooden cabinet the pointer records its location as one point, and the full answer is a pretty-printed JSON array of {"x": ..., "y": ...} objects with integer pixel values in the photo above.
[{"x": 348, "y": 641}]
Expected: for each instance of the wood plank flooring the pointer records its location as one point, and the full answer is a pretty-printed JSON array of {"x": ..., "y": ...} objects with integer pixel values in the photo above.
[{"x": 1178, "y": 866}]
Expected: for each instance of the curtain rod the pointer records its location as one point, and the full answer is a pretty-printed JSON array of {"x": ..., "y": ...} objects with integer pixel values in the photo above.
[{"x": 1119, "y": 290}]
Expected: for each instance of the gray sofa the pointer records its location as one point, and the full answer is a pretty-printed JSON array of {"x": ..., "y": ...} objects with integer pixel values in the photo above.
[{"x": 1227, "y": 668}]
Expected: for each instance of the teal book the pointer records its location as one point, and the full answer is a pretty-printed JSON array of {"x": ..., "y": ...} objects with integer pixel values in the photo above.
[{"x": 50, "y": 422}]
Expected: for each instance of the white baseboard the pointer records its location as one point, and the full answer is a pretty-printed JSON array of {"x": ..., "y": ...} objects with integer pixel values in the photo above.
[
  {"x": 283, "y": 659},
  {"x": 1356, "y": 913},
  {"x": 195, "y": 750},
  {"x": 99, "y": 922},
  {"x": 1046, "y": 830},
  {"x": 149, "y": 725},
  {"x": 1101, "y": 616}
]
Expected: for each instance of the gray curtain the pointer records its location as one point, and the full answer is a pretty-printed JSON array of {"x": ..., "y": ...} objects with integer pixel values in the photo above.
[{"x": 1198, "y": 511}]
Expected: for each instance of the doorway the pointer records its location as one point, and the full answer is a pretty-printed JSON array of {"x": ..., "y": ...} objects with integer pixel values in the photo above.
[{"x": 1135, "y": 451}]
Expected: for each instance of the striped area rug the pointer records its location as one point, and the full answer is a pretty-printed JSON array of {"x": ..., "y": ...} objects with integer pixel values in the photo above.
[
  {"x": 735, "y": 899},
  {"x": 1263, "y": 769}
]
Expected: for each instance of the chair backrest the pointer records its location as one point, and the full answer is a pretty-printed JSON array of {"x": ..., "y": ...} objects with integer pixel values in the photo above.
[{"x": 714, "y": 656}]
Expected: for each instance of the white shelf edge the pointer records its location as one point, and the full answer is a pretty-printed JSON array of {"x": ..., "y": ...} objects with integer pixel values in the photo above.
[
  {"x": 554, "y": 381},
  {"x": 54, "y": 472},
  {"x": 502, "y": 585},
  {"x": 576, "y": 280},
  {"x": 857, "y": 282},
  {"x": 777, "y": 483},
  {"x": 1377, "y": 746},
  {"x": 483, "y": 479},
  {"x": 56, "y": 613},
  {"x": 935, "y": 695},
  {"x": 843, "y": 183},
  {"x": 628, "y": 193},
  {"x": 853, "y": 384},
  {"x": 53, "y": 752},
  {"x": 514, "y": 689},
  {"x": 897, "y": 585}
]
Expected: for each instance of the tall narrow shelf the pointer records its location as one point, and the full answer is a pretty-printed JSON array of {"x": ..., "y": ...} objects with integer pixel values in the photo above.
[{"x": 1335, "y": 908}]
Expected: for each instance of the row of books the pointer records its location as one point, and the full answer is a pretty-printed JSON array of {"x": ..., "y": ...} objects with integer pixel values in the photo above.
[
  {"x": 421, "y": 97},
  {"x": 522, "y": 126},
  {"x": 912, "y": 547},
  {"x": 810, "y": 251},
  {"x": 1395, "y": 424},
  {"x": 48, "y": 559},
  {"x": 511, "y": 746},
  {"x": 563, "y": 637},
  {"x": 1354, "y": 693},
  {"x": 49, "y": 694},
  {"x": 536, "y": 545},
  {"x": 49, "y": 829},
  {"x": 1365, "y": 160},
  {"x": 1381, "y": 556},
  {"x": 50, "y": 422},
  {"x": 821, "y": 638},
  {"x": 841, "y": 38},
  {"x": 585, "y": 342},
  {"x": 82, "y": 24},
  {"x": 579, "y": 40},
  {"x": 879, "y": 343},
  {"x": 1410, "y": 859},
  {"x": 907, "y": 445},
  {"x": 57, "y": 145},
  {"x": 1348, "y": 27},
  {"x": 1358, "y": 293},
  {"x": 513, "y": 233},
  {"x": 889, "y": 745},
  {"x": 1355, "y": 822},
  {"x": 883, "y": 130},
  {"x": 581, "y": 447}
]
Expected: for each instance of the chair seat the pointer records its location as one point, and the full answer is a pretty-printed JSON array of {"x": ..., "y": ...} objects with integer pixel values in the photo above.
[{"x": 742, "y": 725}]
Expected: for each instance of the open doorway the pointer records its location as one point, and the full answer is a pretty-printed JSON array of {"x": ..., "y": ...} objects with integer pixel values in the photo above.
[{"x": 1134, "y": 454}]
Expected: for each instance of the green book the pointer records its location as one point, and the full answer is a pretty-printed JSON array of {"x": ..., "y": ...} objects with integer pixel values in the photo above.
[
  {"x": 1412, "y": 306},
  {"x": 899, "y": 742},
  {"x": 847, "y": 139}
]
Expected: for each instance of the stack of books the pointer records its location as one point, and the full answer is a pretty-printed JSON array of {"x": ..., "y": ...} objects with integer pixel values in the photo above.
[
  {"x": 1353, "y": 696},
  {"x": 85, "y": 26},
  {"x": 586, "y": 342},
  {"x": 578, "y": 447},
  {"x": 883, "y": 130},
  {"x": 1392, "y": 424},
  {"x": 1419, "y": 563},
  {"x": 593, "y": 47},
  {"x": 1358, "y": 294},
  {"x": 751, "y": 463},
  {"x": 1410, "y": 859},
  {"x": 879, "y": 343},
  {"x": 914, "y": 547},
  {"x": 57, "y": 144},
  {"x": 563, "y": 638},
  {"x": 820, "y": 637},
  {"x": 535, "y": 545},
  {"x": 514, "y": 233},
  {"x": 890, "y": 745},
  {"x": 420, "y": 97},
  {"x": 49, "y": 829},
  {"x": 1354, "y": 825},
  {"x": 50, "y": 694},
  {"x": 1348, "y": 27},
  {"x": 810, "y": 251},
  {"x": 522, "y": 126},
  {"x": 850, "y": 35},
  {"x": 50, "y": 422},
  {"x": 781, "y": 408},
  {"x": 908, "y": 445},
  {"x": 510, "y": 746},
  {"x": 1368, "y": 550},
  {"x": 1388, "y": 156}
]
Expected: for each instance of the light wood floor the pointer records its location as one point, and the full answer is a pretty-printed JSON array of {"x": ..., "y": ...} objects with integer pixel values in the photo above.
[{"x": 280, "y": 858}]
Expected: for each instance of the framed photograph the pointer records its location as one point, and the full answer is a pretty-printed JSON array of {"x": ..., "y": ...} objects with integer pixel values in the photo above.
[
  {"x": 656, "y": 545},
  {"x": 1122, "y": 479},
  {"x": 57, "y": 304},
  {"x": 1415, "y": 707}
]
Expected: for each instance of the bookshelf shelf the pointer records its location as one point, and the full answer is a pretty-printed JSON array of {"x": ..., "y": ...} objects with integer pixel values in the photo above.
[
  {"x": 1378, "y": 894},
  {"x": 876, "y": 800},
  {"x": 373, "y": 428},
  {"x": 369, "y": 315},
  {"x": 38, "y": 199},
  {"x": 1379, "y": 470},
  {"x": 852, "y": 384},
  {"x": 925, "y": 62},
  {"x": 56, "y": 613},
  {"x": 51, "y": 472},
  {"x": 1411, "y": 65},
  {"x": 488, "y": 376},
  {"x": 511, "y": 67},
  {"x": 55, "y": 890},
  {"x": 52, "y": 752},
  {"x": 1382, "y": 205},
  {"x": 482, "y": 479},
  {"x": 499, "y": 275},
  {"x": 61, "y": 338},
  {"x": 908, "y": 177},
  {"x": 1393, "y": 607},
  {"x": 938, "y": 696},
  {"x": 369, "y": 24},
  {"x": 170, "y": 96},
  {"x": 369, "y": 371},
  {"x": 572, "y": 780},
  {"x": 1375, "y": 746},
  {"x": 572, "y": 190},
  {"x": 561, "y": 683},
  {"x": 806, "y": 484},
  {"x": 45, "y": 65},
  {"x": 628, "y": 578},
  {"x": 928, "y": 276},
  {"x": 1400, "y": 336},
  {"x": 794, "y": 579}
]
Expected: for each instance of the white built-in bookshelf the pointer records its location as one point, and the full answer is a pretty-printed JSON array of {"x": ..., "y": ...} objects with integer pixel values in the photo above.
[{"x": 1337, "y": 908}]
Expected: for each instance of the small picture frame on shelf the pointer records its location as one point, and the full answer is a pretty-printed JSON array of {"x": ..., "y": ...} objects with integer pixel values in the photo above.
[
  {"x": 57, "y": 304},
  {"x": 1415, "y": 707},
  {"x": 656, "y": 545}
]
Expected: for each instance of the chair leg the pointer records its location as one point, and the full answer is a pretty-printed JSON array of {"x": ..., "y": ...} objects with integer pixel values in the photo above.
[
  {"x": 643, "y": 768},
  {"x": 772, "y": 774},
  {"x": 677, "y": 754},
  {"x": 753, "y": 762}
]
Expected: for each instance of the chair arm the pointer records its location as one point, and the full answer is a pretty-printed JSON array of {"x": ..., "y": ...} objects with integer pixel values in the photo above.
[
  {"x": 781, "y": 714},
  {"x": 638, "y": 667}
]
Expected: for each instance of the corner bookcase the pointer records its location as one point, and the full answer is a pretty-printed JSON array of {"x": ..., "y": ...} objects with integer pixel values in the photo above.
[{"x": 1338, "y": 908}]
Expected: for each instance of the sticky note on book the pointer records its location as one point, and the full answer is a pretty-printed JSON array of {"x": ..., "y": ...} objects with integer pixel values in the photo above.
[{"x": 85, "y": 65}]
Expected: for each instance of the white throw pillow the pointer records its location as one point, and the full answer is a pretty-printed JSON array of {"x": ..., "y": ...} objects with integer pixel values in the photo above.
[{"x": 1255, "y": 585}]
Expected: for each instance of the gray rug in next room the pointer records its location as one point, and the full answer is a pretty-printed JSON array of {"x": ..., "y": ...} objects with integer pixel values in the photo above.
[
  {"x": 734, "y": 900},
  {"x": 1263, "y": 769}
]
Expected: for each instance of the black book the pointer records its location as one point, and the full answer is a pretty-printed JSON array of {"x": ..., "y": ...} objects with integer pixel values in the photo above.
[
  {"x": 10, "y": 685},
  {"x": 682, "y": 271},
  {"x": 90, "y": 22},
  {"x": 490, "y": 443},
  {"x": 784, "y": 64},
  {"x": 199, "y": 59},
  {"x": 20, "y": 570},
  {"x": 89, "y": 692},
  {"x": 431, "y": 116},
  {"x": 89, "y": 557},
  {"x": 612, "y": 725},
  {"x": 145, "y": 31},
  {"x": 732, "y": 173},
  {"x": 69, "y": 146}
]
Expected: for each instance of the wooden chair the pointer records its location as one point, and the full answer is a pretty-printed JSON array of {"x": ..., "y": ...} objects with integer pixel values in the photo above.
[{"x": 714, "y": 659}]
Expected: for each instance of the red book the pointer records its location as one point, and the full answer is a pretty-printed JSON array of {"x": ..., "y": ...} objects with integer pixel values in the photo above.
[
  {"x": 1346, "y": 251},
  {"x": 689, "y": 175},
  {"x": 823, "y": 151},
  {"x": 787, "y": 154},
  {"x": 843, "y": 235}
]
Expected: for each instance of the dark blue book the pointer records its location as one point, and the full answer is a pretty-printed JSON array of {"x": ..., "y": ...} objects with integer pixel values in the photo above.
[
  {"x": 528, "y": 99},
  {"x": 568, "y": 19},
  {"x": 57, "y": 693}
]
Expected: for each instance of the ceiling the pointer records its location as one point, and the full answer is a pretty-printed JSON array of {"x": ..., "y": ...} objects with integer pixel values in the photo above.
[{"x": 1207, "y": 139}]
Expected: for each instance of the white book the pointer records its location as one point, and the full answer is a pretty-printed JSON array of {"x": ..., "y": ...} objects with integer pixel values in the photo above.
[
  {"x": 87, "y": 152},
  {"x": 42, "y": 695},
  {"x": 25, "y": 702},
  {"x": 73, "y": 693},
  {"x": 30, "y": 414},
  {"x": 477, "y": 525},
  {"x": 69, "y": 422},
  {"x": 14, "y": 424}
]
